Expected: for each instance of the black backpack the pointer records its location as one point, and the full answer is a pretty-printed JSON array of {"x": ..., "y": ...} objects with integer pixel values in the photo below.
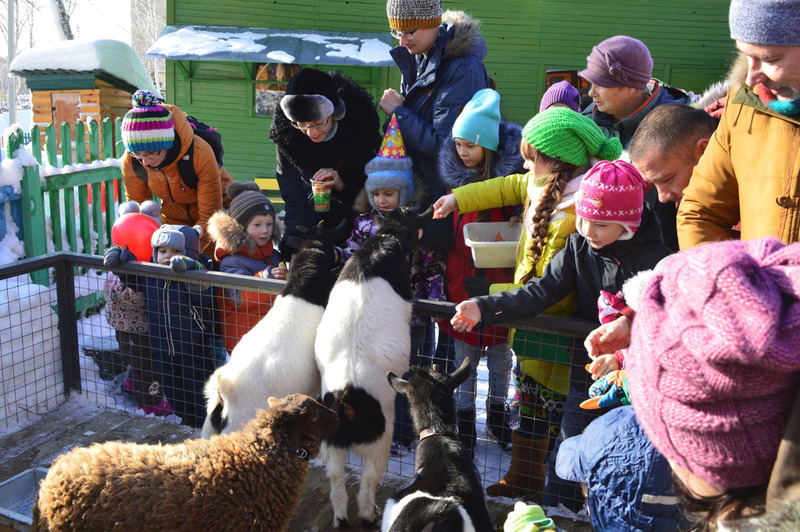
[{"x": 186, "y": 163}]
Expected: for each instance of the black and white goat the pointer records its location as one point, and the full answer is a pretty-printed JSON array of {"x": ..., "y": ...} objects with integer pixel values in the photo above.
[
  {"x": 276, "y": 357},
  {"x": 446, "y": 493},
  {"x": 363, "y": 335}
]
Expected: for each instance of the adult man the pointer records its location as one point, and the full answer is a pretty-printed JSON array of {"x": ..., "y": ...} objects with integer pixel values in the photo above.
[
  {"x": 755, "y": 153},
  {"x": 665, "y": 148},
  {"x": 440, "y": 57},
  {"x": 623, "y": 92}
]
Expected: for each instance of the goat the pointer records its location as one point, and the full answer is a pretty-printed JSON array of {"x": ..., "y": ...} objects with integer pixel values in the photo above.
[
  {"x": 276, "y": 357},
  {"x": 249, "y": 480},
  {"x": 446, "y": 493},
  {"x": 365, "y": 333}
]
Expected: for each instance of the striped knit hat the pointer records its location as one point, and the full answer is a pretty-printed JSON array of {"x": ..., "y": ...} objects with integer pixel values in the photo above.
[
  {"x": 148, "y": 126},
  {"x": 414, "y": 14},
  {"x": 612, "y": 191}
]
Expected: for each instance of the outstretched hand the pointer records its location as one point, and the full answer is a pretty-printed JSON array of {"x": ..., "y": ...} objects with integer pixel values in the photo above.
[
  {"x": 608, "y": 391},
  {"x": 609, "y": 337},
  {"x": 444, "y": 206},
  {"x": 468, "y": 314}
]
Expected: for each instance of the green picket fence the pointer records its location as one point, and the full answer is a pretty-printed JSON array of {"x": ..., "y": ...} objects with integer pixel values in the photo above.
[{"x": 98, "y": 190}]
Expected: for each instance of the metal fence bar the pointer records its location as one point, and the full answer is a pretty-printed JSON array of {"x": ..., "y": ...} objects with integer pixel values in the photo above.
[{"x": 68, "y": 326}]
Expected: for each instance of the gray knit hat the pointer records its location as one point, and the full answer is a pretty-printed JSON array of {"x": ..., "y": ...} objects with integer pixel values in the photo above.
[
  {"x": 765, "y": 22},
  {"x": 247, "y": 201},
  {"x": 168, "y": 236},
  {"x": 414, "y": 14}
]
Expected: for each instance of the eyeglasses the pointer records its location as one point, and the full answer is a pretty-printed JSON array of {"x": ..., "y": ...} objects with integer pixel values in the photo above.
[
  {"x": 142, "y": 154},
  {"x": 407, "y": 35},
  {"x": 317, "y": 126}
]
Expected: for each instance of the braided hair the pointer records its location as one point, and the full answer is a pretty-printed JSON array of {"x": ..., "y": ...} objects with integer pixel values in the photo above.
[{"x": 560, "y": 174}]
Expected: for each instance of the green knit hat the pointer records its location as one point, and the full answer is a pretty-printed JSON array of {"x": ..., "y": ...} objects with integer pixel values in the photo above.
[{"x": 564, "y": 134}]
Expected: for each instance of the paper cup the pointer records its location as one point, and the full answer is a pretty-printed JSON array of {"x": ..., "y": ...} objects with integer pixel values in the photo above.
[{"x": 322, "y": 196}]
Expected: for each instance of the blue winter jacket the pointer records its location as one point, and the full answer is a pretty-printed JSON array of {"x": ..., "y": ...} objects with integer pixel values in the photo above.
[{"x": 435, "y": 89}]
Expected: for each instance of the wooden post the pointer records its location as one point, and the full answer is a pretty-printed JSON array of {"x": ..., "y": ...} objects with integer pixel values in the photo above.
[{"x": 34, "y": 229}]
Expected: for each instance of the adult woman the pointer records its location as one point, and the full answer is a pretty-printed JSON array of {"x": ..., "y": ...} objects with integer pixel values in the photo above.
[
  {"x": 325, "y": 129},
  {"x": 159, "y": 144},
  {"x": 713, "y": 374}
]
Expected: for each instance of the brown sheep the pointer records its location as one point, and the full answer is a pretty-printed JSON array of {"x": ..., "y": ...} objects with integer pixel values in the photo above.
[{"x": 248, "y": 480}]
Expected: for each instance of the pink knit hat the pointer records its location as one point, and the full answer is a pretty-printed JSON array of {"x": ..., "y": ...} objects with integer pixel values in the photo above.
[
  {"x": 714, "y": 361},
  {"x": 612, "y": 191}
]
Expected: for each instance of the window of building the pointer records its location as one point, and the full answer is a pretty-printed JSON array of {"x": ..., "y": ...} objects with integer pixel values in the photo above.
[{"x": 269, "y": 94}]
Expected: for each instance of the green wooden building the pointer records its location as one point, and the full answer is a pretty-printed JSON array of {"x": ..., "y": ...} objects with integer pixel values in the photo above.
[{"x": 234, "y": 91}]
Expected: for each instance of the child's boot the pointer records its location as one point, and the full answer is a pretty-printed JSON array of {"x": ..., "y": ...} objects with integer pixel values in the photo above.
[
  {"x": 526, "y": 473},
  {"x": 466, "y": 429},
  {"x": 497, "y": 424}
]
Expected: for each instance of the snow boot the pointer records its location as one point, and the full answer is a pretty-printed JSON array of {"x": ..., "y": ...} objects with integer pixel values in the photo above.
[
  {"x": 526, "y": 473},
  {"x": 466, "y": 429},
  {"x": 497, "y": 424}
]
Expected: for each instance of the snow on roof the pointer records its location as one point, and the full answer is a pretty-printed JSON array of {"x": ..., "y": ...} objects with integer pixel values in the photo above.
[
  {"x": 261, "y": 45},
  {"x": 112, "y": 57}
]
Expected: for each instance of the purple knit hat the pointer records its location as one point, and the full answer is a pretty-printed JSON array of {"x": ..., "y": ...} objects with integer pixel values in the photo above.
[
  {"x": 619, "y": 61},
  {"x": 714, "y": 361},
  {"x": 561, "y": 92}
]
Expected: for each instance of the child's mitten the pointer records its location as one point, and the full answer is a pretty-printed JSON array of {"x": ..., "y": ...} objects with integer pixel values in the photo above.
[
  {"x": 183, "y": 263},
  {"x": 609, "y": 390},
  {"x": 117, "y": 255},
  {"x": 527, "y": 518}
]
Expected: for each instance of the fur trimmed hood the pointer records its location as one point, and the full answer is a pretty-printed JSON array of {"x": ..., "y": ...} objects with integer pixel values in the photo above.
[
  {"x": 466, "y": 35},
  {"x": 509, "y": 160},
  {"x": 231, "y": 237},
  {"x": 719, "y": 89},
  {"x": 361, "y": 204}
]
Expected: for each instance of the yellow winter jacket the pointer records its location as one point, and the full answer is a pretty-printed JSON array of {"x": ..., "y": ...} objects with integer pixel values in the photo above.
[
  {"x": 543, "y": 356},
  {"x": 750, "y": 173}
]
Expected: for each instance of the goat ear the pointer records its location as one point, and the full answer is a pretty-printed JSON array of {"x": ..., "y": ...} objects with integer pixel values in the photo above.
[
  {"x": 461, "y": 374},
  {"x": 272, "y": 402},
  {"x": 424, "y": 218},
  {"x": 399, "y": 385}
]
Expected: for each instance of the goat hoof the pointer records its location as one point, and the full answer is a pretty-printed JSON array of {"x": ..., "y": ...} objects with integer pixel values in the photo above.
[
  {"x": 341, "y": 523},
  {"x": 366, "y": 524}
]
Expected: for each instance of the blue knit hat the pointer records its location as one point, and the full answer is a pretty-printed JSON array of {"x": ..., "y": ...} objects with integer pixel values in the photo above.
[
  {"x": 479, "y": 121},
  {"x": 765, "y": 22}
]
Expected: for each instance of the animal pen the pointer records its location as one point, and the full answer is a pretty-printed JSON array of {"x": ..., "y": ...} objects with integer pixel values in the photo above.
[{"x": 61, "y": 370}]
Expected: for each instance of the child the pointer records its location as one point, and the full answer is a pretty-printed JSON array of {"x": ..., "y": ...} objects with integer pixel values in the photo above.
[
  {"x": 482, "y": 147},
  {"x": 558, "y": 147},
  {"x": 246, "y": 235},
  {"x": 561, "y": 94},
  {"x": 618, "y": 237},
  {"x": 182, "y": 320},
  {"x": 391, "y": 185},
  {"x": 126, "y": 310}
]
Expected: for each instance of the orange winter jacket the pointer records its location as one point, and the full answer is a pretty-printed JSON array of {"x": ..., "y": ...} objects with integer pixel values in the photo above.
[
  {"x": 181, "y": 204},
  {"x": 750, "y": 173}
]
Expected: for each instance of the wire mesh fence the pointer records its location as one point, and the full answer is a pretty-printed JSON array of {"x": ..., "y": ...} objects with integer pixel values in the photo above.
[{"x": 144, "y": 340}]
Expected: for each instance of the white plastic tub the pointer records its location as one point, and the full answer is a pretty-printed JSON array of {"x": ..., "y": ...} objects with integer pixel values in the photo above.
[
  {"x": 16, "y": 499},
  {"x": 487, "y": 250}
]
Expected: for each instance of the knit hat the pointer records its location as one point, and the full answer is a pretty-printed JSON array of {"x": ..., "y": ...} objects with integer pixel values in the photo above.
[
  {"x": 563, "y": 134},
  {"x": 148, "y": 126},
  {"x": 414, "y": 14},
  {"x": 391, "y": 168},
  {"x": 479, "y": 121},
  {"x": 247, "y": 201},
  {"x": 714, "y": 362},
  {"x": 168, "y": 236},
  {"x": 561, "y": 92},
  {"x": 149, "y": 208},
  {"x": 612, "y": 191},
  {"x": 619, "y": 61},
  {"x": 765, "y": 22},
  {"x": 311, "y": 96}
]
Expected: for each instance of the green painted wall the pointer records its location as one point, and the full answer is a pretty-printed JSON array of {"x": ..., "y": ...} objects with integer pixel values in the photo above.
[{"x": 689, "y": 41}]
